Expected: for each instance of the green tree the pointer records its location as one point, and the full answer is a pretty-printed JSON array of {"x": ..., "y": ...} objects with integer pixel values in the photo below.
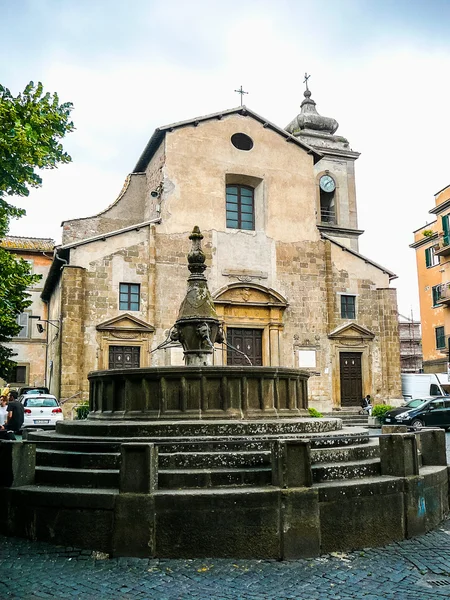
[{"x": 32, "y": 125}]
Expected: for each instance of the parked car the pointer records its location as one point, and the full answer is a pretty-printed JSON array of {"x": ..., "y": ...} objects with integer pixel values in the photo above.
[
  {"x": 41, "y": 410},
  {"x": 421, "y": 412}
]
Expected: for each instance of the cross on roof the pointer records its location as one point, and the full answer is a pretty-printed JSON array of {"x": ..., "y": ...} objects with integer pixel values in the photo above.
[
  {"x": 306, "y": 80},
  {"x": 241, "y": 92}
]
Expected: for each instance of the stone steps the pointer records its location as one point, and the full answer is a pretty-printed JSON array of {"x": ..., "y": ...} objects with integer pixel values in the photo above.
[{"x": 198, "y": 462}]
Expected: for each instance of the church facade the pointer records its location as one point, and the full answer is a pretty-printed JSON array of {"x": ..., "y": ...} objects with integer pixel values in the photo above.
[{"x": 277, "y": 208}]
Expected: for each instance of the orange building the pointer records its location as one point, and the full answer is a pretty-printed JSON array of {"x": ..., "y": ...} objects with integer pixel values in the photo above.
[
  {"x": 432, "y": 246},
  {"x": 31, "y": 344}
]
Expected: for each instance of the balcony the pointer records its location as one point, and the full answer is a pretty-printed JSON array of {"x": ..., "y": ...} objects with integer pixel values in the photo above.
[
  {"x": 443, "y": 245},
  {"x": 444, "y": 293}
]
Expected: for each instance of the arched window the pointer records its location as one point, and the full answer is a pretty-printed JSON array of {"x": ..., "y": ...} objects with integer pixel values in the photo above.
[
  {"x": 240, "y": 207},
  {"x": 327, "y": 199}
]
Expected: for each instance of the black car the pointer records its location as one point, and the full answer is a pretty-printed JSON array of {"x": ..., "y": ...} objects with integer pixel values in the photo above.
[{"x": 421, "y": 412}]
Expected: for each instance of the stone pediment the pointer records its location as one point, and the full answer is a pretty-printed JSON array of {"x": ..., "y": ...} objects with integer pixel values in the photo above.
[
  {"x": 252, "y": 294},
  {"x": 351, "y": 331},
  {"x": 126, "y": 322}
]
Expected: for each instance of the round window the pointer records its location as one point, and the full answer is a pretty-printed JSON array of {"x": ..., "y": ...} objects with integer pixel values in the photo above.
[{"x": 242, "y": 141}]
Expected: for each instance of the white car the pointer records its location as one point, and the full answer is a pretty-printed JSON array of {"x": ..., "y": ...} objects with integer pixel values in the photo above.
[{"x": 41, "y": 410}]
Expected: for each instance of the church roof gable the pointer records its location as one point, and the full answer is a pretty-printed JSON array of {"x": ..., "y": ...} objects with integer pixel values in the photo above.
[{"x": 158, "y": 135}]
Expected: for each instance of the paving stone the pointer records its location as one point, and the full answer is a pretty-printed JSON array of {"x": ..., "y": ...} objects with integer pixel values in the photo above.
[{"x": 402, "y": 571}]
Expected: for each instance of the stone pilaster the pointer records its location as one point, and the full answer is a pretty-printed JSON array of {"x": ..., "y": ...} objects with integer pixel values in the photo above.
[
  {"x": 72, "y": 330},
  {"x": 389, "y": 343}
]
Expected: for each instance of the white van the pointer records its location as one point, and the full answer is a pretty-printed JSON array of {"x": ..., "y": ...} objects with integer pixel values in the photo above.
[{"x": 421, "y": 385}]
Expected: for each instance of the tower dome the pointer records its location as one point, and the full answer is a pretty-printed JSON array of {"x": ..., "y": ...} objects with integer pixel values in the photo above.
[{"x": 309, "y": 118}]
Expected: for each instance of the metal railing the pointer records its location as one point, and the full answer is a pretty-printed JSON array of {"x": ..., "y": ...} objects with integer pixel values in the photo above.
[{"x": 328, "y": 216}]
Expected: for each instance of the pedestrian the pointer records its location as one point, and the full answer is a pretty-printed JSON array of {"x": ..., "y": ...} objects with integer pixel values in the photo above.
[
  {"x": 366, "y": 405},
  {"x": 15, "y": 414},
  {"x": 3, "y": 411}
]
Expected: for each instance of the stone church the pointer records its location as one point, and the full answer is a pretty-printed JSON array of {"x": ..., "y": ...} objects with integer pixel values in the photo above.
[{"x": 277, "y": 208}]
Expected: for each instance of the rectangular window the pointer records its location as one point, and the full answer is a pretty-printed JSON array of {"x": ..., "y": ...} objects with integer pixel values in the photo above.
[
  {"x": 436, "y": 293},
  {"x": 129, "y": 296},
  {"x": 22, "y": 320},
  {"x": 19, "y": 374},
  {"x": 348, "y": 307},
  {"x": 240, "y": 207},
  {"x": 431, "y": 260},
  {"x": 440, "y": 337}
]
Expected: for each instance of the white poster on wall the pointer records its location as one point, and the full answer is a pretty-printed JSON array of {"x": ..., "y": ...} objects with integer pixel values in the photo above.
[{"x": 307, "y": 358}]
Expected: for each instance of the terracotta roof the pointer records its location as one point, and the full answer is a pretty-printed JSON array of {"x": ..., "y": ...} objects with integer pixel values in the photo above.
[{"x": 12, "y": 242}]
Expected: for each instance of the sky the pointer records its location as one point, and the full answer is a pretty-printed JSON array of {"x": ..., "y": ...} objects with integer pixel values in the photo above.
[{"x": 379, "y": 67}]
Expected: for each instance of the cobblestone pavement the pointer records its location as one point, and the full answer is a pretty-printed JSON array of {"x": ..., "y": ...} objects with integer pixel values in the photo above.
[{"x": 414, "y": 569}]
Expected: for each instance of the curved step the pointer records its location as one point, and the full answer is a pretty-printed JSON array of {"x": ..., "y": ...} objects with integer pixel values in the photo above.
[
  {"x": 207, "y": 478},
  {"x": 354, "y": 452},
  {"x": 89, "y": 478},
  {"x": 346, "y": 470},
  {"x": 207, "y": 460},
  {"x": 75, "y": 459}
]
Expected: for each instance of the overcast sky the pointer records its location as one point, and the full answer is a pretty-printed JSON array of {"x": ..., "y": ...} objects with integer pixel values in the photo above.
[{"x": 380, "y": 67}]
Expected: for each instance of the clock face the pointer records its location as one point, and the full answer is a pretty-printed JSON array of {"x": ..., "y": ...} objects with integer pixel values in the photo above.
[{"x": 327, "y": 183}]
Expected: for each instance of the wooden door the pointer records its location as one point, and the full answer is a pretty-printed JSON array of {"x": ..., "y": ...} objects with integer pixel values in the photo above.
[
  {"x": 248, "y": 341},
  {"x": 351, "y": 378},
  {"x": 124, "y": 357}
]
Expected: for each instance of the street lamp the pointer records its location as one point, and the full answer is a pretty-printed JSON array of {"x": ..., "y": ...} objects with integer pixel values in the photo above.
[{"x": 40, "y": 327}]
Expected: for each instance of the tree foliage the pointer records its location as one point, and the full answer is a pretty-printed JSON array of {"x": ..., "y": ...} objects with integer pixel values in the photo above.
[{"x": 32, "y": 125}]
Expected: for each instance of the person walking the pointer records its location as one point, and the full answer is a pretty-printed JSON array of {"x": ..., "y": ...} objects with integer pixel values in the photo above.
[{"x": 15, "y": 413}]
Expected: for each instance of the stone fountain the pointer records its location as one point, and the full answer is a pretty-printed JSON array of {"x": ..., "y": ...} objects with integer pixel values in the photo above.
[{"x": 216, "y": 461}]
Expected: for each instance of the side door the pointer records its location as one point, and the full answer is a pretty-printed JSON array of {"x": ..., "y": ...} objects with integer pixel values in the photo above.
[{"x": 436, "y": 415}]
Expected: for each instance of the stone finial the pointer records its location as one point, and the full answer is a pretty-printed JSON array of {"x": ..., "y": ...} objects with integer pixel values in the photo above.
[{"x": 196, "y": 257}]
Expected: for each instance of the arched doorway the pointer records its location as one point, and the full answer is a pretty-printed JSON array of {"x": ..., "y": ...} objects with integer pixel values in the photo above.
[{"x": 252, "y": 318}]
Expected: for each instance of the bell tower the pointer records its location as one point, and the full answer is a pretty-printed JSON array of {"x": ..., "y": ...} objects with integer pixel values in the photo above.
[{"x": 335, "y": 173}]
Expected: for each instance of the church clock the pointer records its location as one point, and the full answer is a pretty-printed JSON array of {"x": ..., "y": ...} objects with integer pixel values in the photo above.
[{"x": 327, "y": 183}]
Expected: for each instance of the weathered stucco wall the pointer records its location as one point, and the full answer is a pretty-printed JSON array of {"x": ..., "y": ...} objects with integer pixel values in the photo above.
[{"x": 128, "y": 209}]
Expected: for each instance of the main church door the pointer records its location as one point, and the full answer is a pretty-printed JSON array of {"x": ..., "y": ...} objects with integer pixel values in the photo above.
[
  {"x": 351, "y": 378},
  {"x": 244, "y": 341},
  {"x": 124, "y": 357}
]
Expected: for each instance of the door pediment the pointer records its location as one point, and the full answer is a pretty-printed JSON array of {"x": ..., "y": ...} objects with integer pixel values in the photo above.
[
  {"x": 250, "y": 294},
  {"x": 126, "y": 322},
  {"x": 351, "y": 331}
]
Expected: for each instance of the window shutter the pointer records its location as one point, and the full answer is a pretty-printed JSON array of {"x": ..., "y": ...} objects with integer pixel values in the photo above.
[
  {"x": 445, "y": 227},
  {"x": 22, "y": 320},
  {"x": 428, "y": 257}
]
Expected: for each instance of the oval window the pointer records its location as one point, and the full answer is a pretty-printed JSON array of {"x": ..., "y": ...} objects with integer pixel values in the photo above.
[{"x": 242, "y": 141}]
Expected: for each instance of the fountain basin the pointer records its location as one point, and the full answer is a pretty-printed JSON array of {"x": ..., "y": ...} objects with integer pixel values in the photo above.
[{"x": 208, "y": 392}]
